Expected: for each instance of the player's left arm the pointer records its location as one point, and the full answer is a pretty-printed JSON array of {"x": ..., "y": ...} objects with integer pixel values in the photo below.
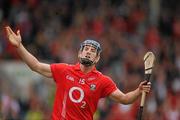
[{"x": 130, "y": 97}]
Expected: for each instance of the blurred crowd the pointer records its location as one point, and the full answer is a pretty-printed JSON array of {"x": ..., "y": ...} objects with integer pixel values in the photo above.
[{"x": 52, "y": 30}]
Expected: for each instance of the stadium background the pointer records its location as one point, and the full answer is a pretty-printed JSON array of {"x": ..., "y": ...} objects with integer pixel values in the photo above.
[{"x": 52, "y": 31}]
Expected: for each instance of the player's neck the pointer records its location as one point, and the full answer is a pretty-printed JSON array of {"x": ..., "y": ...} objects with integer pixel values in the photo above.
[{"x": 85, "y": 69}]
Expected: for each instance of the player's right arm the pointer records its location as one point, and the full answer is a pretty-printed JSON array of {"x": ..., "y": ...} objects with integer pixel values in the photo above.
[{"x": 27, "y": 57}]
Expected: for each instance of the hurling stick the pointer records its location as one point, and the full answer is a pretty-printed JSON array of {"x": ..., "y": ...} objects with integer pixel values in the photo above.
[{"x": 149, "y": 59}]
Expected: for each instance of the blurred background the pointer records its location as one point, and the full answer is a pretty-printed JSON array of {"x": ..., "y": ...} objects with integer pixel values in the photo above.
[{"x": 52, "y": 30}]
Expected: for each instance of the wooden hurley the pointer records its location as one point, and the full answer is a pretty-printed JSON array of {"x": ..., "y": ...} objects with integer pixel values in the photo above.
[{"x": 149, "y": 59}]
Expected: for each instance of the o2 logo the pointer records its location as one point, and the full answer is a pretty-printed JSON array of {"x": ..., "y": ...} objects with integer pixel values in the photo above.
[
  {"x": 80, "y": 99},
  {"x": 81, "y": 94}
]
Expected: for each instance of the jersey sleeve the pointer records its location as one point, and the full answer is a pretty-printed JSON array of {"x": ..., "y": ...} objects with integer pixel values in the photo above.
[
  {"x": 108, "y": 86},
  {"x": 57, "y": 69}
]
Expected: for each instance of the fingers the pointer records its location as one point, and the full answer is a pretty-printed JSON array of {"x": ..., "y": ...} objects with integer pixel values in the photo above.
[
  {"x": 18, "y": 32},
  {"x": 144, "y": 82},
  {"x": 147, "y": 87},
  {"x": 9, "y": 31}
]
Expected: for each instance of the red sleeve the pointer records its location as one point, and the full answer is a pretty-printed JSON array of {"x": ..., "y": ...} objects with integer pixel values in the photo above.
[
  {"x": 57, "y": 69},
  {"x": 108, "y": 86}
]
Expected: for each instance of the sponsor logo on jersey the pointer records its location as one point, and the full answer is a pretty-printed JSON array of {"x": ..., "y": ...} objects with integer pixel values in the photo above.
[
  {"x": 68, "y": 77},
  {"x": 91, "y": 78}
]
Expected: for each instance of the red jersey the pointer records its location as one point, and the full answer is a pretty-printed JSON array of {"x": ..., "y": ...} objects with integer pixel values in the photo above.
[{"x": 77, "y": 93}]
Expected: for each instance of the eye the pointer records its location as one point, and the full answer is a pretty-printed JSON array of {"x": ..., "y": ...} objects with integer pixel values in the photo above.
[
  {"x": 86, "y": 48},
  {"x": 93, "y": 50}
]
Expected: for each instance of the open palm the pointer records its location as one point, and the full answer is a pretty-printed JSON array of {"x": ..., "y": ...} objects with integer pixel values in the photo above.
[{"x": 14, "y": 38}]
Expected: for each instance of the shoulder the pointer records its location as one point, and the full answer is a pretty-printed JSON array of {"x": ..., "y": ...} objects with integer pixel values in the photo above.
[
  {"x": 61, "y": 66},
  {"x": 107, "y": 85},
  {"x": 104, "y": 77}
]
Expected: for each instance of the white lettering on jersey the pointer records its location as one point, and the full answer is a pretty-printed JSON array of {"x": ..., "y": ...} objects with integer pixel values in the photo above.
[
  {"x": 91, "y": 78},
  {"x": 71, "y": 96},
  {"x": 83, "y": 104},
  {"x": 68, "y": 77}
]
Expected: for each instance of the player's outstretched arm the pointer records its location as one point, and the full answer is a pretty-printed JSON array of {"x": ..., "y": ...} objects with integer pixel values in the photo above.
[
  {"x": 130, "y": 97},
  {"x": 27, "y": 57}
]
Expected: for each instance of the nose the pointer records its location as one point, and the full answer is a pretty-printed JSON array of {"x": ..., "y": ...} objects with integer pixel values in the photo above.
[{"x": 88, "y": 53}]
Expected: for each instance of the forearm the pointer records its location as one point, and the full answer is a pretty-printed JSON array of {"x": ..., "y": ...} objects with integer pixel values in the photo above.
[
  {"x": 130, "y": 97},
  {"x": 127, "y": 98},
  {"x": 27, "y": 57}
]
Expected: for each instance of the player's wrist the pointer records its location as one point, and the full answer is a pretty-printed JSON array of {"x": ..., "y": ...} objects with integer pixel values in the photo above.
[
  {"x": 19, "y": 46},
  {"x": 139, "y": 91}
]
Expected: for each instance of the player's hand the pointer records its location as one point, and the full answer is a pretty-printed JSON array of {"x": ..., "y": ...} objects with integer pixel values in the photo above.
[
  {"x": 145, "y": 86},
  {"x": 14, "y": 38}
]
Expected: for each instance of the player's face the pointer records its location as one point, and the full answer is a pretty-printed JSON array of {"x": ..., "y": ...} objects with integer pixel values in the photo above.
[{"x": 89, "y": 52}]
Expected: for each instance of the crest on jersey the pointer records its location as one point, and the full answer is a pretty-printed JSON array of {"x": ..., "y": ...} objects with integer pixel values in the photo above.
[{"x": 92, "y": 87}]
